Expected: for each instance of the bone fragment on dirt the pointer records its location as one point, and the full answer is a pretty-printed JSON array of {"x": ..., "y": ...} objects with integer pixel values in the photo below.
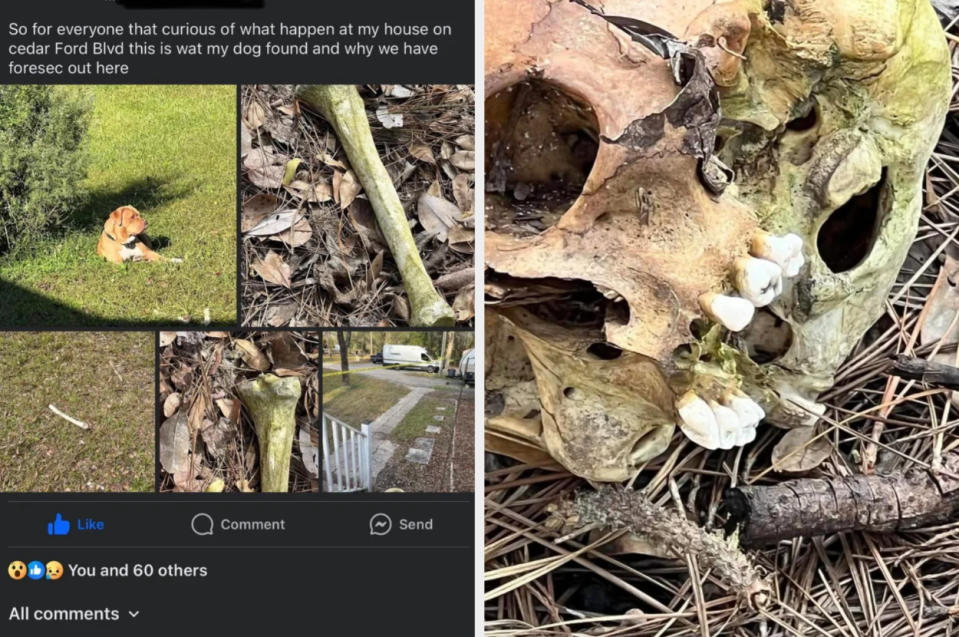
[
  {"x": 272, "y": 403},
  {"x": 343, "y": 108}
]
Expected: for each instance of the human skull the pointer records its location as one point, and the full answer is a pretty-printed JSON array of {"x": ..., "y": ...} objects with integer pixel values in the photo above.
[{"x": 660, "y": 287}]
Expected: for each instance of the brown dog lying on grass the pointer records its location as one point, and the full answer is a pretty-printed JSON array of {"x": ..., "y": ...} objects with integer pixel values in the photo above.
[{"x": 123, "y": 240}]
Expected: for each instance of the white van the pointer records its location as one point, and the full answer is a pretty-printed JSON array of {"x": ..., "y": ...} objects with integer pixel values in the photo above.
[
  {"x": 409, "y": 356},
  {"x": 468, "y": 366}
]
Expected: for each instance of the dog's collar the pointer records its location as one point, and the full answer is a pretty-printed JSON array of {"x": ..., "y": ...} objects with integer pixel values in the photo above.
[{"x": 129, "y": 243}]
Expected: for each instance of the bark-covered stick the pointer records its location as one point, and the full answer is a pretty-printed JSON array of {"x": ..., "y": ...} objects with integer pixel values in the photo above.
[
  {"x": 929, "y": 372},
  {"x": 817, "y": 506},
  {"x": 272, "y": 403},
  {"x": 343, "y": 108}
]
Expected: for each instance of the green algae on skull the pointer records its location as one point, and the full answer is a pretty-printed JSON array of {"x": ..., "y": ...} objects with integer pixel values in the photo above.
[{"x": 829, "y": 128}]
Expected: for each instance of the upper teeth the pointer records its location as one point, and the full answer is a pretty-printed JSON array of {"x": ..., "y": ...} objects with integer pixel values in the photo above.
[
  {"x": 784, "y": 251},
  {"x": 733, "y": 312},
  {"x": 719, "y": 426},
  {"x": 758, "y": 280}
]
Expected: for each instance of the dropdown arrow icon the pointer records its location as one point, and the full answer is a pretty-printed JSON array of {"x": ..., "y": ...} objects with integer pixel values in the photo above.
[{"x": 133, "y": 613}]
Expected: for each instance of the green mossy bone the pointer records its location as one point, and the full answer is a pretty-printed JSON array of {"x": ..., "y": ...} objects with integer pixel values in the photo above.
[
  {"x": 343, "y": 108},
  {"x": 272, "y": 403}
]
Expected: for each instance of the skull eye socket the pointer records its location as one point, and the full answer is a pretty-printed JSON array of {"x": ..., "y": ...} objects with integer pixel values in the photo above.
[
  {"x": 846, "y": 238},
  {"x": 541, "y": 143},
  {"x": 605, "y": 351}
]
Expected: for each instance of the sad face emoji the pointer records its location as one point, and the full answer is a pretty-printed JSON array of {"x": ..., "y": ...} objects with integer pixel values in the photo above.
[
  {"x": 54, "y": 570},
  {"x": 17, "y": 570}
]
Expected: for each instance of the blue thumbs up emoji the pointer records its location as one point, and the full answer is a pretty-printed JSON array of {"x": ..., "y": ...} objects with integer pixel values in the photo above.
[{"x": 58, "y": 526}]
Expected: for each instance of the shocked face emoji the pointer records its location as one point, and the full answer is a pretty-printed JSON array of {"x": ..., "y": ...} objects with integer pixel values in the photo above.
[
  {"x": 54, "y": 570},
  {"x": 17, "y": 570}
]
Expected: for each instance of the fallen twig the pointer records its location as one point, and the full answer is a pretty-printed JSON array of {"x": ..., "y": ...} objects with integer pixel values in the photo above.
[
  {"x": 818, "y": 506},
  {"x": 668, "y": 530},
  {"x": 929, "y": 372},
  {"x": 78, "y": 423}
]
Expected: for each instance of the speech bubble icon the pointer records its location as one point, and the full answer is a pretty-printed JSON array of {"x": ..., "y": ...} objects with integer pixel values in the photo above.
[
  {"x": 202, "y": 524},
  {"x": 380, "y": 524}
]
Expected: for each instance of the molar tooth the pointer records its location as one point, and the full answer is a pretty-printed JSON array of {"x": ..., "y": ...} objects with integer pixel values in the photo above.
[
  {"x": 746, "y": 408},
  {"x": 779, "y": 250},
  {"x": 794, "y": 264},
  {"x": 729, "y": 424},
  {"x": 697, "y": 420},
  {"x": 733, "y": 312},
  {"x": 758, "y": 280},
  {"x": 746, "y": 436}
]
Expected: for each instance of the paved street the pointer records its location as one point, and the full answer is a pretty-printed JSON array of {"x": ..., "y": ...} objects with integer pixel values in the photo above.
[{"x": 402, "y": 377}]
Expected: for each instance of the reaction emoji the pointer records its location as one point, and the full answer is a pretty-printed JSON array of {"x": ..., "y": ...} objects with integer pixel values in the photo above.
[
  {"x": 54, "y": 570},
  {"x": 36, "y": 570},
  {"x": 17, "y": 570}
]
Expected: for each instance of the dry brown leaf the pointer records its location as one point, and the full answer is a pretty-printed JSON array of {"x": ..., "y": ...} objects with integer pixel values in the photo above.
[
  {"x": 280, "y": 315},
  {"x": 172, "y": 404},
  {"x": 464, "y": 160},
  {"x": 255, "y": 115},
  {"x": 198, "y": 410},
  {"x": 328, "y": 159},
  {"x": 422, "y": 152},
  {"x": 218, "y": 437},
  {"x": 437, "y": 215},
  {"x": 252, "y": 355},
  {"x": 463, "y": 304},
  {"x": 174, "y": 439},
  {"x": 273, "y": 269},
  {"x": 943, "y": 306},
  {"x": 256, "y": 209},
  {"x": 461, "y": 239},
  {"x": 166, "y": 338},
  {"x": 230, "y": 408},
  {"x": 287, "y": 358},
  {"x": 463, "y": 193},
  {"x": 300, "y": 233},
  {"x": 345, "y": 188},
  {"x": 265, "y": 169},
  {"x": 376, "y": 266},
  {"x": 794, "y": 453},
  {"x": 466, "y": 142},
  {"x": 364, "y": 222}
]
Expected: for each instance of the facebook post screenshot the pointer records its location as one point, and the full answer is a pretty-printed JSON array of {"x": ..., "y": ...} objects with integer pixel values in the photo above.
[
  {"x": 237, "y": 349},
  {"x": 678, "y": 358}
]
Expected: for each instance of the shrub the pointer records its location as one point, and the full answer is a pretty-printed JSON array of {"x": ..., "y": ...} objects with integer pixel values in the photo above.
[{"x": 42, "y": 160}]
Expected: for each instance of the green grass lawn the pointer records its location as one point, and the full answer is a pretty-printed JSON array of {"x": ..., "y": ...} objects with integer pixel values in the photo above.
[
  {"x": 422, "y": 415},
  {"x": 362, "y": 401},
  {"x": 169, "y": 151},
  {"x": 80, "y": 373}
]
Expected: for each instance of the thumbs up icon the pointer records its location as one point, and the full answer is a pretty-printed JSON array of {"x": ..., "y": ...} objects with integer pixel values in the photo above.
[{"x": 58, "y": 526}]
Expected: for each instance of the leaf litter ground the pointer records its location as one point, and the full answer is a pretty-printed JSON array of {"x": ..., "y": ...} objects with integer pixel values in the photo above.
[{"x": 312, "y": 253}]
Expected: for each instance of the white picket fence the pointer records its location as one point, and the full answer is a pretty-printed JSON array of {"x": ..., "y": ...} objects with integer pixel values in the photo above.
[{"x": 346, "y": 456}]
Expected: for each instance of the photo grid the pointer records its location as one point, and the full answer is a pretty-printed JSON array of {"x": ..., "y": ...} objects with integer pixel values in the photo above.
[{"x": 300, "y": 322}]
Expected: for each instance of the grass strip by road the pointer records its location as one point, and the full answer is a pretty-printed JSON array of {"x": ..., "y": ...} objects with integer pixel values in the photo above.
[
  {"x": 362, "y": 400},
  {"x": 416, "y": 421}
]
